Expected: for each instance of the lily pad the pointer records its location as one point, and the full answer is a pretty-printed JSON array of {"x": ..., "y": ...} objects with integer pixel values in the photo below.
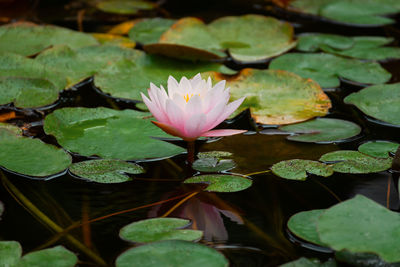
[
  {"x": 125, "y": 7},
  {"x": 276, "y": 97},
  {"x": 347, "y": 161},
  {"x": 11, "y": 128},
  {"x": 221, "y": 182},
  {"x": 322, "y": 130},
  {"x": 150, "y": 30},
  {"x": 326, "y": 68},
  {"x": 10, "y": 253},
  {"x": 212, "y": 164},
  {"x": 378, "y": 149},
  {"x": 57, "y": 256},
  {"x": 37, "y": 38},
  {"x": 113, "y": 39},
  {"x": 191, "y": 38},
  {"x": 20, "y": 154},
  {"x": 214, "y": 154},
  {"x": 304, "y": 226},
  {"x": 381, "y": 102},
  {"x": 304, "y": 262},
  {"x": 108, "y": 133},
  {"x": 361, "y": 225},
  {"x": 312, "y": 42},
  {"x": 158, "y": 229},
  {"x": 176, "y": 253},
  {"x": 298, "y": 169},
  {"x": 105, "y": 170},
  {"x": 27, "y": 92}
]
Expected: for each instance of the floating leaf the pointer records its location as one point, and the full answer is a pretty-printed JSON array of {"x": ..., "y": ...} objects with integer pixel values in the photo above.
[
  {"x": 123, "y": 28},
  {"x": 27, "y": 92},
  {"x": 304, "y": 226},
  {"x": 11, "y": 128},
  {"x": 380, "y": 101},
  {"x": 212, "y": 164},
  {"x": 158, "y": 229},
  {"x": 276, "y": 97},
  {"x": 347, "y": 161},
  {"x": 31, "y": 156},
  {"x": 214, "y": 154},
  {"x": 56, "y": 257},
  {"x": 171, "y": 253},
  {"x": 112, "y": 39},
  {"x": 361, "y": 225},
  {"x": 37, "y": 38},
  {"x": 221, "y": 182},
  {"x": 191, "y": 38},
  {"x": 362, "y": 259},
  {"x": 105, "y": 170},
  {"x": 150, "y": 30},
  {"x": 322, "y": 130},
  {"x": 312, "y": 42},
  {"x": 108, "y": 133},
  {"x": 378, "y": 149},
  {"x": 326, "y": 69},
  {"x": 298, "y": 169},
  {"x": 125, "y": 7},
  {"x": 10, "y": 253},
  {"x": 304, "y": 262}
]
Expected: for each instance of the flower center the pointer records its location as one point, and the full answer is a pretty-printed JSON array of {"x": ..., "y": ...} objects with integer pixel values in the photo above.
[{"x": 187, "y": 97}]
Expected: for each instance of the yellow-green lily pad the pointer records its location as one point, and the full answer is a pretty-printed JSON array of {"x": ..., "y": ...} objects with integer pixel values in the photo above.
[
  {"x": 304, "y": 226},
  {"x": 124, "y": 7},
  {"x": 149, "y": 30},
  {"x": 221, "y": 182},
  {"x": 378, "y": 149},
  {"x": 10, "y": 253},
  {"x": 298, "y": 169}
]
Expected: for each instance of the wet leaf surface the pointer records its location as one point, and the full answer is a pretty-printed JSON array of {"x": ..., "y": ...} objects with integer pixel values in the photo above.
[
  {"x": 10, "y": 253},
  {"x": 149, "y": 31},
  {"x": 212, "y": 164},
  {"x": 378, "y": 149},
  {"x": 298, "y": 169},
  {"x": 221, "y": 182},
  {"x": 56, "y": 256},
  {"x": 126, "y": 7},
  {"x": 157, "y": 229},
  {"x": 304, "y": 262},
  {"x": 304, "y": 225}
]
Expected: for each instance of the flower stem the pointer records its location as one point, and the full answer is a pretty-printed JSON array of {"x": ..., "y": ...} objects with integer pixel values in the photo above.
[{"x": 190, "y": 152}]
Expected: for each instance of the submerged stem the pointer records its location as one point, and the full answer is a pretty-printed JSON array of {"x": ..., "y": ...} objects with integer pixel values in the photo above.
[
  {"x": 179, "y": 204},
  {"x": 190, "y": 152},
  {"x": 328, "y": 189}
]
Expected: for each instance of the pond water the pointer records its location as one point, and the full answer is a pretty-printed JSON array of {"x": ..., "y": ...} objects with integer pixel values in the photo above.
[{"x": 249, "y": 226}]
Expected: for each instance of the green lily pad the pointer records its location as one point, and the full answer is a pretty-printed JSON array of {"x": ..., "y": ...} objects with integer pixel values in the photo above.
[
  {"x": 214, "y": 154},
  {"x": 362, "y": 259},
  {"x": 347, "y": 161},
  {"x": 175, "y": 253},
  {"x": 276, "y": 97},
  {"x": 304, "y": 262},
  {"x": 20, "y": 154},
  {"x": 304, "y": 226},
  {"x": 125, "y": 7},
  {"x": 212, "y": 164},
  {"x": 361, "y": 225},
  {"x": 298, "y": 169},
  {"x": 191, "y": 38},
  {"x": 378, "y": 149},
  {"x": 105, "y": 170},
  {"x": 312, "y": 42},
  {"x": 11, "y": 128},
  {"x": 108, "y": 133},
  {"x": 127, "y": 78},
  {"x": 221, "y": 182},
  {"x": 158, "y": 229},
  {"x": 10, "y": 253},
  {"x": 37, "y": 38},
  {"x": 322, "y": 130},
  {"x": 381, "y": 102},
  {"x": 150, "y": 30},
  {"x": 57, "y": 256},
  {"x": 27, "y": 92},
  {"x": 326, "y": 68}
]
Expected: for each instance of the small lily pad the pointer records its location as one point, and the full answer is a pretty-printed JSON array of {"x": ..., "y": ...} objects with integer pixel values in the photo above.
[
  {"x": 379, "y": 101},
  {"x": 276, "y": 97},
  {"x": 10, "y": 253},
  {"x": 304, "y": 262},
  {"x": 221, "y": 182},
  {"x": 20, "y": 154},
  {"x": 57, "y": 256},
  {"x": 298, "y": 169},
  {"x": 347, "y": 161},
  {"x": 111, "y": 134},
  {"x": 177, "y": 253},
  {"x": 214, "y": 154},
  {"x": 326, "y": 68},
  {"x": 361, "y": 225},
  {"x": 105, "y": 170},
  {"x": 378, "y": 149},
  {"x": 212, "y": 164},
  {"x": 150, "y": 30},
  {"x": 158, "y": 229},
  {"x": 125, "y": 7},
  {"x": 322, "y": 130},
  {"x": 304, "y": 226}
]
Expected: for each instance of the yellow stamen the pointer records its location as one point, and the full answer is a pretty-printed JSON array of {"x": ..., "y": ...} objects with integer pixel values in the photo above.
[{"x": 187, "y": 97}]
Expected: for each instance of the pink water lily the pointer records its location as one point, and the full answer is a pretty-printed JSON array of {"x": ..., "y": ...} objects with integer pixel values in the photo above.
[{"x": 191, "y": 108}]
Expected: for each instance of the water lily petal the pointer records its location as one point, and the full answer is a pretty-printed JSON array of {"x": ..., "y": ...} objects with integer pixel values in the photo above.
[
  {"x": 172, "y": 86},
  {"x": 193, "y": 106},
  {"x": 231, "y": 107},
  {"x": 213, "y": 115},
  {"x": 194, "y": 126},
  {"x": 154, "y": 109},
  {"x": 168, "y": 129},
  {"x": 222, "y": 132}
]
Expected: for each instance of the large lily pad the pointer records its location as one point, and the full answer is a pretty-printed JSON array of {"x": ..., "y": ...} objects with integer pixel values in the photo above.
[
  {"x": 158, "y": 229},
  {"x": 150, "y": 30},
  {"x": 322, "y": 130},
  {"x": 361, "y": 47},
  {"x": 347, "y": 161},
  {"x": 326, "y": 68},
  {"x": 36, "y": 38},
  {"x": 276, "y": 97},
  {"x": 304, "y": 225},
  {"x": 10, "y": 253},
  {"x": 361, "y": 225},
  {"x": 176, "y": 253},
  {"x": 125, "y": 7},
  {"x": 379, "y": 149},
  {"x": 221, "y": 182},
  {"x": 105, "y": 170},
  {"x": 108, "y": 133},
  {"x": 380, "y": 101},
  {"x": 191, "y": 38},
  {"x": 56, "y": 256},
  {"x": 31, "y": 156},
  {"x": 298, "y": 169}
]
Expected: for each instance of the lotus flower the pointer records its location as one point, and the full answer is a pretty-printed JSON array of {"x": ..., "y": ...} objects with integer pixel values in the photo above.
[{"x": 191, "y": 108}]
